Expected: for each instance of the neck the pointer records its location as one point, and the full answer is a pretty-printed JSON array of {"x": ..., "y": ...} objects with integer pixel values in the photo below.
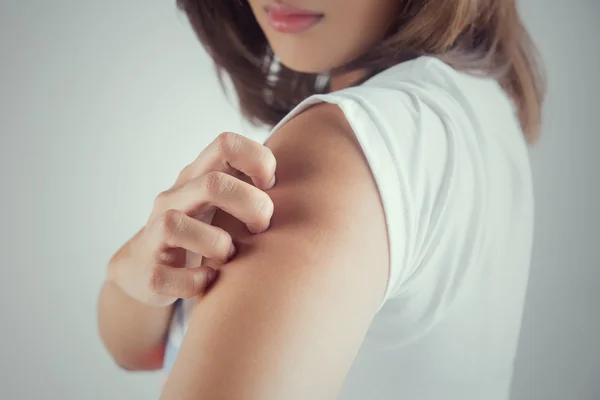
[{"x": 346, "y": 79}]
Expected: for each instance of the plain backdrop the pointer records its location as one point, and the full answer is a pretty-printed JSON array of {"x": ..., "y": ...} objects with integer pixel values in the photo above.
[{"x": 103, "y": 102}]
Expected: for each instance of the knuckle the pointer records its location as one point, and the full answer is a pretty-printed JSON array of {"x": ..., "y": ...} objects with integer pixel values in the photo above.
[
  {"x": 211, "y": 181},
  {"x": 218, "y": 183},
  {"x": 228, "y": 142},
  {"x": 172, "y": 223},
  {"x": 184, "y": 174},
  {"x": 162, "y": 198},
  {"x": 164, "y": 257},
  {"x": 158, "y": 280}
]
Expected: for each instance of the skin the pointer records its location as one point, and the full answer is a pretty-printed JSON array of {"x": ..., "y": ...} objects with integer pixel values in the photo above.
[
  {"x": 145, "y": 277},
  {"x": 348, "y": 29},
  {"x": 287, "y": 316}
]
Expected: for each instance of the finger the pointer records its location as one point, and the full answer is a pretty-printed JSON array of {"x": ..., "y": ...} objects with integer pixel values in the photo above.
[
  {"x": 230, "y": 151},
  {"x": 178, "y": 230},
  {"x": 243, "y": 201},
  {"x": 249, "y": 157},
  {"x": 182, "y": 283}
]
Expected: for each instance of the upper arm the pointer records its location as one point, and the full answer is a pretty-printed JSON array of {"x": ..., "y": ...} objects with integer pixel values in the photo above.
[{"x": 289, "y": 313}]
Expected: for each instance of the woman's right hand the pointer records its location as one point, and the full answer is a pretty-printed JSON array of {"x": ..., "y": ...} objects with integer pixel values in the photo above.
[{"x": 162, "y": 263}]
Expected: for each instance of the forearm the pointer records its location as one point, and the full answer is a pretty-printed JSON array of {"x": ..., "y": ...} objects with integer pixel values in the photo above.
[{"x": 133, "y": 333}]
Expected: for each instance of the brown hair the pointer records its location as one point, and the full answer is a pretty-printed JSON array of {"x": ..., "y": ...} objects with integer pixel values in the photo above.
[{"x": 482, "y": 35}]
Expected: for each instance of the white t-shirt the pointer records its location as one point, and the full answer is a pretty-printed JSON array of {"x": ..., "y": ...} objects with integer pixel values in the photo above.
[{"x": 452, "y": 168}]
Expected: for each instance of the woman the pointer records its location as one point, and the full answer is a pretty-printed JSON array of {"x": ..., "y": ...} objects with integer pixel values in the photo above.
[{"x": 397, "y": 256}]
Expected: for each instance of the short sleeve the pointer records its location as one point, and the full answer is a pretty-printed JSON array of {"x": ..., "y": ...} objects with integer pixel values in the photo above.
[{"x": 409, "y": 138}]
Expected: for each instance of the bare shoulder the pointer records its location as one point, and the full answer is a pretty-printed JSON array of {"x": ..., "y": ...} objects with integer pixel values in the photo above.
[
  {"x": 327, "y": 209},
  {"x": 324, "y": 183},
  {"x": 319, "y": 136}
]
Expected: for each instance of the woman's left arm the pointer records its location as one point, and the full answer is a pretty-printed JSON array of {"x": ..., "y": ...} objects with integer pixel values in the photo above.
[{"x": 288, "y": 315}]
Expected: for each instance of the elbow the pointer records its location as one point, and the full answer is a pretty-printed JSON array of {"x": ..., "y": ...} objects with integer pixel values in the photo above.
[
  {"x": 131, "y": 359},
  {"x": 136, "y": 365},
  {"x": 137, "y": 362}
]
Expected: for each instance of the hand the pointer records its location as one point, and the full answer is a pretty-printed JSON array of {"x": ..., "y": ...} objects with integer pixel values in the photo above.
[{"x": 151, "y": 267}]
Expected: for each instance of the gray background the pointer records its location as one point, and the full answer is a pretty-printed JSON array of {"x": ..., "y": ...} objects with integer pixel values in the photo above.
[{"x": 103, "y": 102}]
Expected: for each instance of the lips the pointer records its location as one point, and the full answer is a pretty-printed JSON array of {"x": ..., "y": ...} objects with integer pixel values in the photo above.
[{"x": 289, "y": 19}]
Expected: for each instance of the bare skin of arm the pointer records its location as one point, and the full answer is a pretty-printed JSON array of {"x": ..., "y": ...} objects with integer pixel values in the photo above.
[
  {"x": 287, "y": 316},
  {"x": 122, "y": 320}
]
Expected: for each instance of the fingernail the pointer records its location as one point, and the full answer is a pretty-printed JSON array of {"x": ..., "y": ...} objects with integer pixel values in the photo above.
[
  {"x": 232, "y": 252},
  {"x": 272, "y": 183}
]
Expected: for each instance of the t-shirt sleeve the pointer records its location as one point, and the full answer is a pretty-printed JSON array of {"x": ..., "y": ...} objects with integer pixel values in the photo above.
[{"x": 425, "y": 188}]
